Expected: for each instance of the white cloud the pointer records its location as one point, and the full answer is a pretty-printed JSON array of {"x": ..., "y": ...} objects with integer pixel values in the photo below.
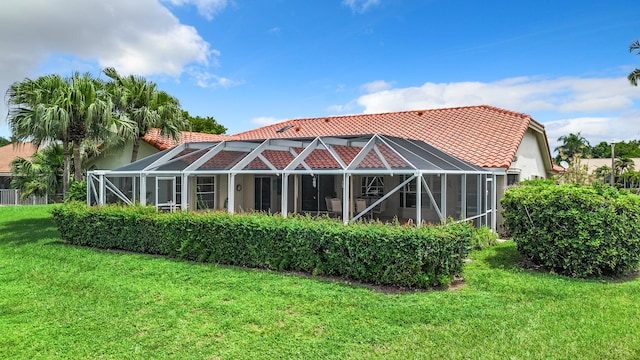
[
  {"x": 375, "y": 86},
  {"x": 136, "y": 37},
  {"x": 360, "y": 6},
  {"x": 622, "y": 127},
  {"x": 523, "y": 94},
  {"x": 205, "y": 79},
  {"x": 264, "y": 120},
  {"x": 206, "y": 8},
  {"x": 601, "y": 109}
]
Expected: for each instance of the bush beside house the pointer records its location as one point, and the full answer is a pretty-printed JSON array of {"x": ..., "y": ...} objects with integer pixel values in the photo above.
[
  {"x": 580, "y": 231},
  {"x": 375, "y": 253}
]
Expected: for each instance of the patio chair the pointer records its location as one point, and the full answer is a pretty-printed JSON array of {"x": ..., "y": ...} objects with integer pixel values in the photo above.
[
  {"x": 361, "y": 205},
  {"x": 327, "y": 200},
  {"x": 336, "y": 206},
  {"x": 379, "y": 210}
]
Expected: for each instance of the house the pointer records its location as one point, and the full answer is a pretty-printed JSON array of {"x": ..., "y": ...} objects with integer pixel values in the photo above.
[
  {"x": 497, "y": 147},
  {"x": 7, "y": 154},
  {"x": 594, "y": 164}
]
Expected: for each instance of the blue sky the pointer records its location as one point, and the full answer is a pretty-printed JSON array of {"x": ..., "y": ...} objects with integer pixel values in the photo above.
[{"x": 250, "y": 63}]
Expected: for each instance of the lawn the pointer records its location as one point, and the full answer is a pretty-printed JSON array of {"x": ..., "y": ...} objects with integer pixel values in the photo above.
[{"x": 58, "y": 301}]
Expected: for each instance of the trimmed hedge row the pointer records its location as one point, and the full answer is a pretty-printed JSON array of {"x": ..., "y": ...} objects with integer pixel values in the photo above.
[
  {"x": 374, "y": 253},
  {"x": 575, "y": 230}
]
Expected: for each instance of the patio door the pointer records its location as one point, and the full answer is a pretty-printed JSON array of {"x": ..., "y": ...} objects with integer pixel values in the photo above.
[
  {"x": 262, "y": 193},
  {"x": 315, "y": 189},
  {"x": 166, "y": 193}
]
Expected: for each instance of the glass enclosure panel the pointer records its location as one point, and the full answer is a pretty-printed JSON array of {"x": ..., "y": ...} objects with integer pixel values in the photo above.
[
  {"x": 454, "y": 196},
  {"x": 473, "y": 195}
]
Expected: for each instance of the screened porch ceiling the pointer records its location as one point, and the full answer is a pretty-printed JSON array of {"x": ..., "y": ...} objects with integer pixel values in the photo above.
[{"x": 365, "y": 154}]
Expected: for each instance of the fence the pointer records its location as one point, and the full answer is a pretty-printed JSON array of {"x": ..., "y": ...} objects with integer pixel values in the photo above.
[{"x": 12, "y": 197}]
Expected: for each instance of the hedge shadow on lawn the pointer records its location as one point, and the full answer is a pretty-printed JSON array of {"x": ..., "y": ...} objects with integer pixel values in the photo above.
[
  {"x": 504, "y": 257},
  {"x": 26, "y": 231},
  {"x": 508, "y": 258}
]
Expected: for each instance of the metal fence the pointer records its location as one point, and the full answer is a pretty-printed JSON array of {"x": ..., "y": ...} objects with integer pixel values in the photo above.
[{"x": 12, "y": 197}]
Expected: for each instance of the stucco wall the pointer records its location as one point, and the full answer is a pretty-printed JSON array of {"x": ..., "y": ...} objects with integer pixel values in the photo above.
[
  {"x": 122, "y": 156},
  {"x": 528, "y": 161}
]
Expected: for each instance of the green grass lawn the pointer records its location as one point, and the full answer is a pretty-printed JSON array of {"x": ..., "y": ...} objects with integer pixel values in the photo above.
[{"x": 58, "y": 301}]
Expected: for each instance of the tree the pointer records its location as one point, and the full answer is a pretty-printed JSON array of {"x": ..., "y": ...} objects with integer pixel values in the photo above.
[
  {"x": 91, "y": 113},
  {"x": 4, "y": 141},
  {"x": 623, "y": 164},
  {"x": 634, "y": 76},
  {"x": 602, "y": 150},
  {"x": 603, "y": 173},
  {"x": 42, "y": 175},
  {"x": 37, "y": 110},
  {"x": 576, "y": 173},
  {"x": 71, "y": 110},
  {"x": 572, "y": 145},
  {"x": 628, "y": 149},
  {"x": 206, "y": 125},
  {"x": 140, "y": 102}
]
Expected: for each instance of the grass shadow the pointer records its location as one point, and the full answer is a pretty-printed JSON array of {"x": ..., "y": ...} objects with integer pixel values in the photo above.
[
  {"x": 503, "y": 256},
  {"x": 28, "y": 230}
]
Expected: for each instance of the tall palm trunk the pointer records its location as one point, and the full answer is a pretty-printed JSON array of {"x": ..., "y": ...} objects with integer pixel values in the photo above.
[
  {"x": 77, "y": 162},
  {"x": 66, "y": 172}
]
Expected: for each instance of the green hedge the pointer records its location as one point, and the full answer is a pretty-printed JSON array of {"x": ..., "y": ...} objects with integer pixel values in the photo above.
[
  {"x": 375, "y": 253},
  {"x": 575, "y": 230}
]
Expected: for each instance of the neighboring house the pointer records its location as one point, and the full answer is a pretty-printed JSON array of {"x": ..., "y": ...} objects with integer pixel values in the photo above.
[
  {"x": 7, "y": 154},
  {"x": 593, "y": 164},
  {"x": 508, "y": 145}
]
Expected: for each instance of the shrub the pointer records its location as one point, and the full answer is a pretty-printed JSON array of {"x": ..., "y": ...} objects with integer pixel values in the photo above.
[
  {"x": 77, "y": 192},
  {"x": 575, "y": 230},
  {"x": 482, "y": 238},
  {"x": 375, "y": 253}
]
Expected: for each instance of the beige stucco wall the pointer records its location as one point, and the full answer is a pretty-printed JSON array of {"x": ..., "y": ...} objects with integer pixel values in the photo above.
[
  {"x": 528, "y": 160},
  {"x": 122, "y": 156}
]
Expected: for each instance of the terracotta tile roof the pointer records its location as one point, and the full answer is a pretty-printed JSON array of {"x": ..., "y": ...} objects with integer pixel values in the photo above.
[
  {"x": 11, "y": 151},
  {"x": 162, "y": 142},
  {"x": 482, "y": 135}
]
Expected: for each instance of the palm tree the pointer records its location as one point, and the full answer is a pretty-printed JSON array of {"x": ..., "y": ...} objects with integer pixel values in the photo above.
[
  {"x": 92, "y": 117},
  {"x": 572, "y": 145},
  {"x": 42, "y": 175},
  {"x": 634, "y": 76},
  {"x": 623, "y": 164},
  {"x": 38, "y": 110},
  {"x": 71, "y": 110},
  {"x": 140, "y": 101}
]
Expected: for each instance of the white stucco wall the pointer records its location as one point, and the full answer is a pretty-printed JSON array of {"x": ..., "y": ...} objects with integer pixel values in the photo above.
[{"x": 529, "y": 162}]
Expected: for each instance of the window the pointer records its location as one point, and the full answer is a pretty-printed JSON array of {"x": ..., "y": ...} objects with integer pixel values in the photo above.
[
  {"x": 408, "y": 193},
  {"x": 206, "y": 192},
  {"x": 512, "y": 179},
  {"x": 372, "y": 186}
]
